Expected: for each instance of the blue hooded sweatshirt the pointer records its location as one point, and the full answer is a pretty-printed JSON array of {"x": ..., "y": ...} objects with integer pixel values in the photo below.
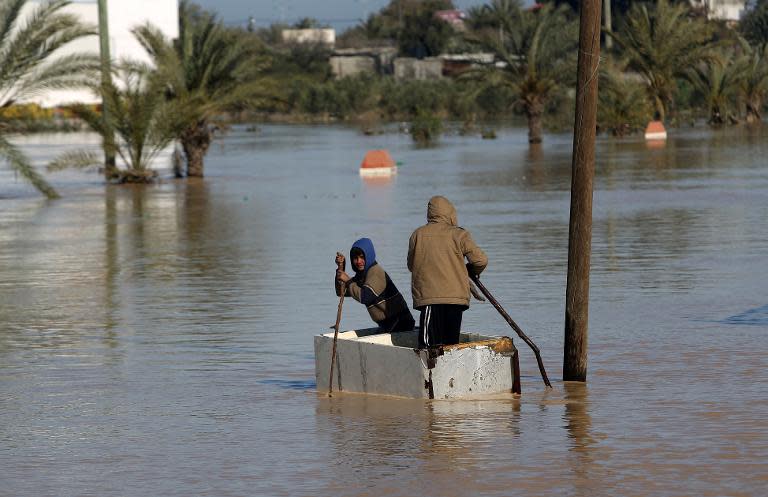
[{"x": 366, "y": 245}]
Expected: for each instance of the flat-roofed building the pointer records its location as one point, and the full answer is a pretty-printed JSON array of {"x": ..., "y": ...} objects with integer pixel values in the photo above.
[{"x": 322, "y": 36}]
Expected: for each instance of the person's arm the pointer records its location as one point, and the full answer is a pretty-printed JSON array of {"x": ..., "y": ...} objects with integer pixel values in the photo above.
[
  {"x": 338, "y": 281},
  {"x": 354, "y": 289},
  {"x": 476, "y": 257},
  {"x": 371, "y": 289}
]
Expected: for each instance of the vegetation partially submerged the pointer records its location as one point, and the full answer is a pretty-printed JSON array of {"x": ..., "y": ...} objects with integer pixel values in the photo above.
[{"x": 668, "y": 61}]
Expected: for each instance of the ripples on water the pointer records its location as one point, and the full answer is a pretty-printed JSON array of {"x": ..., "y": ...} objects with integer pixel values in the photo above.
[{"x": 158, "y": 340}]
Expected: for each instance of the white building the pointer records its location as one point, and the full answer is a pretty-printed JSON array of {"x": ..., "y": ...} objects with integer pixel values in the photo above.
[
  {"x": 123, "y": 16},
  {"x": 723, "y": 10},
  {"x": 322, "y": 36}
]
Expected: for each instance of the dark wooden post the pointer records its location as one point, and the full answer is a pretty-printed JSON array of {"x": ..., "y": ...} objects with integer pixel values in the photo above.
[{"x": 583, "y": 171}]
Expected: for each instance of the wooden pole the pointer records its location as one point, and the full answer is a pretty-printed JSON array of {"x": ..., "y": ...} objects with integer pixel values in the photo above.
[
  {"x": 518, "y": 330},
  {"x": 342, "y": 291},
  {"x": 583, "y": 171},
  {"x": 608, "y": 25},
  {"x": 106, "y": 80}
]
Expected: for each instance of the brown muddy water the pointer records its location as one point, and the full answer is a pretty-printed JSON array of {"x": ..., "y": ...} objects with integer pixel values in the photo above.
[{"x": 158, "y": 340}]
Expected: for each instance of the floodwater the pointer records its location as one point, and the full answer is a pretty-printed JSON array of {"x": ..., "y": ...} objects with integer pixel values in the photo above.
[{"x": 158, "y": 340}]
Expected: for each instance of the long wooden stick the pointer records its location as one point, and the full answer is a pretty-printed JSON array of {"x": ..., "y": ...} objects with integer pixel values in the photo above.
[
  {"x": 515, "y": 327},
  {"x": 342, "y": 291}
]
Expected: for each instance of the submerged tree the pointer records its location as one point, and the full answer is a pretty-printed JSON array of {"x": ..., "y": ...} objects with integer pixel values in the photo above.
[
  {"x": 208, "y": 70},
  {"x": 663, "y": 42},
  {"x": 717, "y": 80},
  {"x": 622, "y": 106},
  {"x": 753, "y": 87},
  {"x": 144, "y": 121},
  {"x": 30, "y": 66},
  {"x": 536, "y": 57}
]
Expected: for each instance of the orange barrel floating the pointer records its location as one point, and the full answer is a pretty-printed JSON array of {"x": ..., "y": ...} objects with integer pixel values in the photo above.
[
  {"x": 655, "y": 131},
  {"x": 377, "y": 163}
]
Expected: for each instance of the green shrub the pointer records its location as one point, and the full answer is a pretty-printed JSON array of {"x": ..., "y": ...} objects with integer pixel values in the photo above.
[{"x": 426, "y": 128}]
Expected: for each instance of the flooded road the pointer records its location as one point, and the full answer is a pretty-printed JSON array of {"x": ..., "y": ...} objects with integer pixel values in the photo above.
[{"x": 158, "y": 340}]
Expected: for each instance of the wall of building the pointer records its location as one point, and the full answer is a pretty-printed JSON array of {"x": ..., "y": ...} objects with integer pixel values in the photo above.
[
  {"x": 421, "y": 69},
  {"x": 123, "y": 16},
  {"x": 352, "y": 61},
  {"x": 352, "y": 65},
  {"x": 323, "y": 36},
  {"x": 724, "y": 10}
]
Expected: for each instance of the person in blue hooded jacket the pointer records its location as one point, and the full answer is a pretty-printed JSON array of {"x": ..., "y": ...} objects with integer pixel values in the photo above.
[{"x": 372, "y": 287}]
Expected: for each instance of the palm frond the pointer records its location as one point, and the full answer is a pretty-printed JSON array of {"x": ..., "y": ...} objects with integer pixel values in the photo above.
[
  {"x": 75, "y": 159},
  {"x": 208, "y": 65},
  {"x": 68, "y": 71},
  {"x": 44, "y": 32},
  {"x": 26, "y": 45},
  {"x": 91, "y": 118},
  {"x": 9, "y": 14},
  {"x": 663, "y": 43},
  {"x": 532, "y": 48},
  {"x": 18, "y": 162}
]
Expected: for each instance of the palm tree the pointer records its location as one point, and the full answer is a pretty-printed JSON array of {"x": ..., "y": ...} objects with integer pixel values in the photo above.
[
  {"x": 663, "y": 43},
  {"x": 207, "y": 70},
  {"x": 718, "y": 79},
  {"x": 499, "y": 15},
  {"x": 141, "y": 116},
  {"x": 27, "y": 68},
  {"x": 536, "y": 57},
  {"x": 754, "y": 81},
  {"x": 623, "y": 106}
]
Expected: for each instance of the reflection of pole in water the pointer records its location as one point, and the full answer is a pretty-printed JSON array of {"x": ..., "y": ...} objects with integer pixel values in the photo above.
[
  {"x": 111, "y": 264},
  {"x": 138, "y": 193},
  {"x": 578, "y": 423}
]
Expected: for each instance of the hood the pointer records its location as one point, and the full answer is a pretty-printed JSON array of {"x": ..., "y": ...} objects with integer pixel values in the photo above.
[
  {"x": 366, "y": 245},
  {"x": 441, "y": 210}
]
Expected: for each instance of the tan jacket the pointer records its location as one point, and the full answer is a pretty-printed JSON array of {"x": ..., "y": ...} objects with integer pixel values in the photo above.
[{"x": 436, "y": 253}]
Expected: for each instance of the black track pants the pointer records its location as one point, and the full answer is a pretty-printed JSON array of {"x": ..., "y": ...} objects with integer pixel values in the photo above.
[{"x": 440, "y": 325}]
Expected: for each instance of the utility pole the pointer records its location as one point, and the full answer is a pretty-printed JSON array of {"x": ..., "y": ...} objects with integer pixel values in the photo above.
[
  {"x": 106, "y": 80},
  {"x": 583, "y": 171},
  {"x": 608, "y": 24}
]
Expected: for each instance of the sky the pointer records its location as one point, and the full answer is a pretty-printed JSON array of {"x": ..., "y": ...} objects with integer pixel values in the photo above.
[{"x": 339, "y": 14}]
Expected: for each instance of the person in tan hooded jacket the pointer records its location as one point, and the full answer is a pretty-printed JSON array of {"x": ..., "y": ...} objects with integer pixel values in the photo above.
[{"x": 439, "y": 279}]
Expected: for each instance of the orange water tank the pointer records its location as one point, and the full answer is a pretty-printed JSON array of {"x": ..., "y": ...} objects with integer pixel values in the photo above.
[
  {"x": 377, "y": 158},
  {"x": 655, "y": 131},
  {"x": 377, "y": 163}
]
